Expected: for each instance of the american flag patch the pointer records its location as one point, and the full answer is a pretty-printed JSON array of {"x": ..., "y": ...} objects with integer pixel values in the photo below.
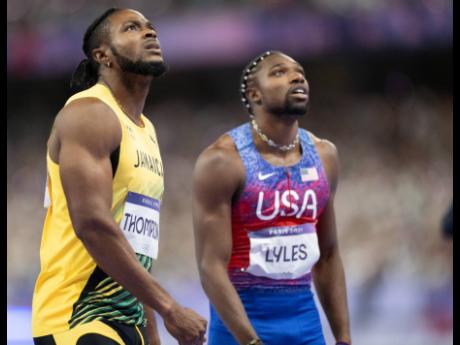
[{"x": 309, "y": 174}]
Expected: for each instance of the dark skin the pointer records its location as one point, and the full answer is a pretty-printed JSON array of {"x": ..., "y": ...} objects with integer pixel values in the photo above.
[
  {"x": 219, "y": 177},
  {"x": 84, "y": 134}
]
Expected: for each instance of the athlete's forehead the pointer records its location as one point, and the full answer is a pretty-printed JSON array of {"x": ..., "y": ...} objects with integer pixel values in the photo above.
[
  {"x": 125, "y": 16},
  {"x": 279, "y": 60}
]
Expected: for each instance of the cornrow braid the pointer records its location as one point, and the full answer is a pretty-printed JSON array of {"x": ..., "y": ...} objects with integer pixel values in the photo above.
[
  {"x": 248, "y": 77},
  {"x": 87, "y": 72}
]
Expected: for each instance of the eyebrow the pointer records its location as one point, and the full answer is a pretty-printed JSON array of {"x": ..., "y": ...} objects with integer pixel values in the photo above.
[
  {"x": 282, "y": 64},
  {"x": 137, "y": 22},
  {"x": 277, "y": 65}
]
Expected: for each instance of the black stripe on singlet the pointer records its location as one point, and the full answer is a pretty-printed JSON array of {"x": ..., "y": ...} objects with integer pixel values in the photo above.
[
  {"x": 128, "y": 333},
  {"x": 45, "y": 340},
  {"x": 96, "y": 277},
  {"x": 114, "y": 158}
]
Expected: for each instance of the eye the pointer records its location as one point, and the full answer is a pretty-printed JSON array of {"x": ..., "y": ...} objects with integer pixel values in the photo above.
[
  {"x": 278, "y": 72},
  {"x": 131, "y": 27},
  {"x": 301, "y": 72}
]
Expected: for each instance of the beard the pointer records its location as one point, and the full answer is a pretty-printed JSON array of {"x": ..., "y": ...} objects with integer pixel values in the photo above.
[
  {"x": 294, "y": 108},
  {"x": 154, "y": 69},
  {"x": 290, "y": 108}
]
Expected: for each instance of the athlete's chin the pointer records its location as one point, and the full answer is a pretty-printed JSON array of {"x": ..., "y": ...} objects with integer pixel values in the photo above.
[
  {"x": 155, "y": 68},
  {"x": 296, "y": 111},
  {"x": 296, "y": 108}
]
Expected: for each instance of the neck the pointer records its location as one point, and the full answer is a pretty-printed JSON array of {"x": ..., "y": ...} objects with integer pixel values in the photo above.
[
  {"x": 129, "y": 90},
  {"x": 281, "y": 129}
]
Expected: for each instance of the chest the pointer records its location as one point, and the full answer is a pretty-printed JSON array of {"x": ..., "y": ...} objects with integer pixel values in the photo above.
[
  {"x": 140, "y": 165},
  {"x": 275, "y": 193}
]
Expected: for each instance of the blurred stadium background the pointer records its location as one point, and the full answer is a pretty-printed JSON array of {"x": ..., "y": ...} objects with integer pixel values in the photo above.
[{"x": 381, "y": 86}]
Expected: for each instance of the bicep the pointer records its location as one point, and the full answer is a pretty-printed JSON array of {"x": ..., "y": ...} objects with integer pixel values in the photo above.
[
  {"x": 212, "y": 226},
  {"x": 86, "y": 141},
  {"x": 213, "y": 188},
  {"x": 326, "y": 229},
  {"x": 86, "y": 180},
  {"x": 327, "y": 233}
]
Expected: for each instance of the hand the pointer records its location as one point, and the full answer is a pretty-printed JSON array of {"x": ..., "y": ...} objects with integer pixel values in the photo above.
[{"x": 185, "y": 325}]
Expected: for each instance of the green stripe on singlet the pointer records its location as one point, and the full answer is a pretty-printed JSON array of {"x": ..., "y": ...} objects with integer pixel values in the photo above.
[
  {"x": 119, "y": 295},
  {"x": 123, "y": 313},
  {"x": 103, "y": 298}
]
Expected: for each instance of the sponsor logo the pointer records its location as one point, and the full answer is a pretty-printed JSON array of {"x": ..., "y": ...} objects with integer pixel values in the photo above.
[{"x": 265, "y": 176}]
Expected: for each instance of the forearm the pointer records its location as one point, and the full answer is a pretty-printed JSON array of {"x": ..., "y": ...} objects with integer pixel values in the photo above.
[
  {"x": 114, "y": 255},
  {"x": 227, "y": 303},
  {"x": 330, "y": 285},
  {"x": 151, "y": 328}
]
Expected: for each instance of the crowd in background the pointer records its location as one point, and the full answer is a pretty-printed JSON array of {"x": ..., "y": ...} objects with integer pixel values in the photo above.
[
  {"x": 395, "y": 185},
  {"x": 380, "y": 75}
]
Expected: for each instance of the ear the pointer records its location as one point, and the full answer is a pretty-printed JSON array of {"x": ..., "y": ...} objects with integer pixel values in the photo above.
[
  {"x": 253, "y": 95},
  {"x": 102, "y": 55}
]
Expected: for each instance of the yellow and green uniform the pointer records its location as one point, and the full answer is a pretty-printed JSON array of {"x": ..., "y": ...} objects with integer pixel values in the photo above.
[{"x": 71, "y": 289}]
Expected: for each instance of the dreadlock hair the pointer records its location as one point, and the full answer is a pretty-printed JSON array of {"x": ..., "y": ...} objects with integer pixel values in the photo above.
[
  {"x": 247, "y": 78},
  {"x": 87, "y": 72}
]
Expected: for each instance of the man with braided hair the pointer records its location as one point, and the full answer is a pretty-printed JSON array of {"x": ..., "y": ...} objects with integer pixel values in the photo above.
[
  {"x": 104, "y": 190},
  {"x": 264, "y": 222}
]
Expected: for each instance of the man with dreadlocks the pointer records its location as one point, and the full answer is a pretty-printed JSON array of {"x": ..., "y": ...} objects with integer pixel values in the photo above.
[
  {"x": 263, "y": 216},
  {"x": 104, "y": 189}
]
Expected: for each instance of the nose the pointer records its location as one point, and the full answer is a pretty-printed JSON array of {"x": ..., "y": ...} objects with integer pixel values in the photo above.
[
  {"x": 150, "y": 33},
  {"x": 298, "y": 78}
]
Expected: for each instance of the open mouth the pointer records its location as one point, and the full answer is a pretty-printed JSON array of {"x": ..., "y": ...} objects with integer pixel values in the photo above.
[
  {"x": 154, "y": 51},
  {"x": 299, "y": 92},
  {"x": 153, "y": 47}
]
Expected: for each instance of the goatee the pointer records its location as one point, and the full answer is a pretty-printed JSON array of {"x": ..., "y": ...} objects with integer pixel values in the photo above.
[
  {"x": 296, "y": 109},
  {"x": 154, "y": 69},
  {"x": 290, "y": 108}
]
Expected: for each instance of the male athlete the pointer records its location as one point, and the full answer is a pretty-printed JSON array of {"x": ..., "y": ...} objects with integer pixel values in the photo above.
[
  {"x": 104, "y": 190},
  {"x": 264, "y": 218}
]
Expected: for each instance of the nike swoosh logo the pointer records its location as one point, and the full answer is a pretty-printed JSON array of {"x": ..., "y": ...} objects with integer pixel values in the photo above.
[{"x": 266, "y": 176}]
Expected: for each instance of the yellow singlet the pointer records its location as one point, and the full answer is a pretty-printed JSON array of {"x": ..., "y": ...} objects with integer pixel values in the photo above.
[{"x": 71, "y": 289}]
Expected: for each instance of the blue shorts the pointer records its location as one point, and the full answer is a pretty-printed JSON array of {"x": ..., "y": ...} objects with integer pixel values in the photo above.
[{"x": 287, "y": 316}]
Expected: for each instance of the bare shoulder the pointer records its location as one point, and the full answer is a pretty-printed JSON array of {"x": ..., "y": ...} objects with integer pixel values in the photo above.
[
  {"x": 88, "y": 121},
  {"x": 221, "y": 153},
  {"x": 220, "y": 162},
  {"x": 328, "y": 154},
  {"x": 326, "y": 149}
]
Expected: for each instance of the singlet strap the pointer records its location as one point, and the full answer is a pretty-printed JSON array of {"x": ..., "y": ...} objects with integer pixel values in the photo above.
[
  {"x": 241, "y": 136},
  {"x": 305, "y": 138},
  {"x": 309, "y": 149}
]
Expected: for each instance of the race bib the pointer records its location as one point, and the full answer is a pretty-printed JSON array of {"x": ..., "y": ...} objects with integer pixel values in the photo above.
[
  {"x": 286, "y": 252},
  {"x": 141, "y": 224}
]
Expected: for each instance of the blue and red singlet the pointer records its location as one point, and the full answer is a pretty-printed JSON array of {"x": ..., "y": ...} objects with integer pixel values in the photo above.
[{"x": 275, "y": 244}]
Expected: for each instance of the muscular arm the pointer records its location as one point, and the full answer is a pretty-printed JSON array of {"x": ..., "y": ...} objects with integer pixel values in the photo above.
[
  {"x": 85, "y": 133},
  {"x": 328, "y": 272},
  {"x": 216, "y": 178}
]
